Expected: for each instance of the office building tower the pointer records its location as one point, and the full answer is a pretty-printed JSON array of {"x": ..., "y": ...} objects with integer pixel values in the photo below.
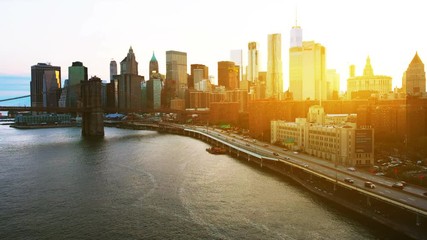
[
  {"x": 228, "y": 75},
  {"x": 154, "y": 66},
  {"x": 76, "y": 73},
  {"x": 129, "y": 65},
  {"x": 62, "y": 102},
  {"x": 362, "y": 87},
  {"x": 307, "y": 69},
  {"x": 296, "y": 36},
  {"x": 236, "y": 56},
  {"x": 113, "y": 69},
  {"x": 274, "y": 82},
  {"x": 295, "y": 62},
  {"x": 129, "y": 83},
  {"x": 176, "y": 75},
  {"x": 332, "y": 84},
  {"x": 154, "y": 90},
  {"x": 414, "y": 78},
  {"x": 199, "y": 72},
  {"x": 314, "y": 71},
  {"x": 253, "y": 63},
  {"x": 45, "y": 85}
]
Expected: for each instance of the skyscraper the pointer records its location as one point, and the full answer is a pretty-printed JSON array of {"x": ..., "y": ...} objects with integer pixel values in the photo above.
[
  {"x": 45, "y": 85},
  {"x": 129, "y": 83},
  {"x": 199, "y": 72},
  {"x": 236, "y": 56},
  {"x": 295, "y": 62},
  {"x": 313, "y": 71},
  {"x": 274, "y": 83},
  {"x": 307, "y": 68},
  {"x": 113, "y": 69},
  {"x": 176, "y": 74},
  {"x": 76, "y": 73},
  {"x": 253, "y": 62},
  {"x": 154, "y": 66},
  {"x": 332, "y": 84},
  {"x": 414, "y": 78},
  {"x": 228, "y": 75}
]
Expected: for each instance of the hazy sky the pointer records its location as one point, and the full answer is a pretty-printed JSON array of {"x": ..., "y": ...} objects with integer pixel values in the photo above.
[{"x": 96, "y": 31}]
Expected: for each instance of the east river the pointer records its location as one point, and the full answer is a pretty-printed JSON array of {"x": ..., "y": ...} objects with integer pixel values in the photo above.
[{"x": 144, "y": 185}]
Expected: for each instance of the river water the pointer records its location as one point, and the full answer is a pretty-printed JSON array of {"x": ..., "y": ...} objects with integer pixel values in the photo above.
[{"x": 144, "y": 185}]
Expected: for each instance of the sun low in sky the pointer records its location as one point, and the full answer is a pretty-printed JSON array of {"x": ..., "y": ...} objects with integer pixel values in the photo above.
[{"x": 94, "y": 32}]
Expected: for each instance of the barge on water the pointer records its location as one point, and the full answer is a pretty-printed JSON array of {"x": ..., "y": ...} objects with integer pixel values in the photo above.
[{"x": 216, "y": 150}]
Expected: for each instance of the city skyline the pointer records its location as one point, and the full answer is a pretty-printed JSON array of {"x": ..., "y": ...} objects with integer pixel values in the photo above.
[{"x": 350, "y": 32}]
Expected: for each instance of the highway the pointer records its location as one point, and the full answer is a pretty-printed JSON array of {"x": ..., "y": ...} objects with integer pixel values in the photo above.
[{"x": 410, "y": 195}]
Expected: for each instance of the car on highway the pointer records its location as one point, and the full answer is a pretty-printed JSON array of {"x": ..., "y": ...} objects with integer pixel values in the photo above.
[
  {"x": 295, "y": 152},
  {"x": 398, "y": 185},
  {"x": 348, "y": 180},
  {"x": 380, "y": 174},
  {"x": 275, "y": 154},
  {"x": 369, "y": 185},
  {"x": 403, "y": 183},
  {"x": 305, "y": 165},
  {"x": 351, "y": 169}
]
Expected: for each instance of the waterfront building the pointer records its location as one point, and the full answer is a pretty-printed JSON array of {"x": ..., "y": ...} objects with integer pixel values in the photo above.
[
  {"x": 45, "y": 85},
  {"x": 199, "y": 99},
  {"x": 228, "y": 75},
  {"x": 176, "y": 75},
  {"x": 238, "y": 95},
  {"x": 77, "y": 72},
  {"x": 253, "y": 63},
  {"x": 129, "y": 83},
  {"x": 274, "y": 81},
  {"x": 113, "y": 69},
  {"x": 340, "y": 143},
  {"x": 414, "y": 78},
  {"x": 43, "y": 119},
  {"x": 362, "y": 87},
  {"x": 154, "y": 66},
  {"x": 177, "y": 104},
  {"x": 224, "y": 113}
]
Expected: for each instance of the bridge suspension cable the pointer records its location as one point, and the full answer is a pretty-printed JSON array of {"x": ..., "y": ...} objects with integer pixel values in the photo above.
[{"x": 10, "y": 99}]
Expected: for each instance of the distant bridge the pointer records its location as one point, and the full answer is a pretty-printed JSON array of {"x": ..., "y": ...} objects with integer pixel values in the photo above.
[
  {"x": 106, "y": 110},
  {"x": 88, "y": 109},
  {"x": 14, "y": 98}
]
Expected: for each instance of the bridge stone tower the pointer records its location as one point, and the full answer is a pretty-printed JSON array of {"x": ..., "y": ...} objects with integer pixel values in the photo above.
[{"x": 93, "y": 115}]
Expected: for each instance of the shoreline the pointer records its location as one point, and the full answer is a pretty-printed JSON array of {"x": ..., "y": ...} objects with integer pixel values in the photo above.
[{"x": 41, "y": 126}]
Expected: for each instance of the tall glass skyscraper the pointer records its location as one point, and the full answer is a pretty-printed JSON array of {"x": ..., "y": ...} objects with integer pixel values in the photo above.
[
  {"x": 176, "y": 71},
  {"x": 295, "y": 62},
  {"x": 45, "y": 85},
  {"x": 274, "y": 83},
  {"x": 253, "y": 62},
  {"x": 76, "y": 72}
]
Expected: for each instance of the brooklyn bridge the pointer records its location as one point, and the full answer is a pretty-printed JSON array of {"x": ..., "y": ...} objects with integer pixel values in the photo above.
[{"x": 91, "y": 108}]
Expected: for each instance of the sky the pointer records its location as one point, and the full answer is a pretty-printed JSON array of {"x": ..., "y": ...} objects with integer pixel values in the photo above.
[{"x": 96, "y": 31}]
